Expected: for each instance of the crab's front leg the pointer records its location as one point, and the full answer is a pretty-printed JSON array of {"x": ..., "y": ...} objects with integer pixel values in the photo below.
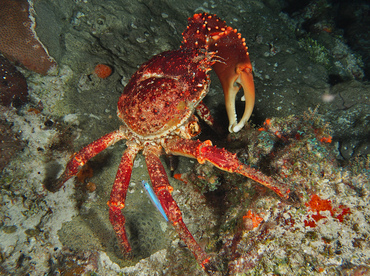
[
  {"x": 80, "y": 158},
  {"x": 118, "y": 196},
  {"x": 224, "y": 160},
  {"x": 205, "y": 114},
  {"x": 163, "y": 191}
]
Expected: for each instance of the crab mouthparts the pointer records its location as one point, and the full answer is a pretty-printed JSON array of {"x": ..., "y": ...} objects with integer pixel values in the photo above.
[{"x": 243, "y": 78}]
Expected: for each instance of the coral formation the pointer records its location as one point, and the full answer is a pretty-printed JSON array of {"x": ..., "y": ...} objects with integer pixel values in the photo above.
[
  {"x": 324, "y": 231},
  {"x": 316, "y": 51},
  {"x": 18, "y": 40},
  {"x": 260, "y": 235},
  {"x": 318, "y": 205},
  {"x": 13, "y": 85}
]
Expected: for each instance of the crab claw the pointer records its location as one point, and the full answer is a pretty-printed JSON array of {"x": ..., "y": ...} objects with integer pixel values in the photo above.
[
  {"x": 232, "y": 79},
  {"x": 232, "y": 65}
]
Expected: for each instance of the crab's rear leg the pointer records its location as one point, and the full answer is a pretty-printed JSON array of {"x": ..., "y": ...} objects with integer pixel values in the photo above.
[
  {"x": 80, "y": 158},
  {"x": 118, "y": 196},
  {"x": 163, "y": 191},
  {"x": 224, "y": 160}
]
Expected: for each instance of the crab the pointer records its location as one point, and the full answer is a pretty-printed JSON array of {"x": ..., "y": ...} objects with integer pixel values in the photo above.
[{"x": 157, "y": 112}]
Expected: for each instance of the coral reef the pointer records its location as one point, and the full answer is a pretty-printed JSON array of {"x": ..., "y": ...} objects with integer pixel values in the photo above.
[
  {"x": 326, "y": 233},
  {"x": 69, "y": 232},
  {"x": 260, "y": 235},
  {"x": 18, "y": 40},
  {"x": 13, "y": 85}
]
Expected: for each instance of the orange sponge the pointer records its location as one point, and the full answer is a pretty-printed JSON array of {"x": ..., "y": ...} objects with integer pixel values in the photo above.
[{"x": 103, "y": 71}]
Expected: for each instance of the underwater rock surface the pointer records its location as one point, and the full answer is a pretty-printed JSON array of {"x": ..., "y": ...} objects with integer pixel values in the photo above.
[
  {"x": 10, "y": 143},
  {"x": 13, "y": 85}
]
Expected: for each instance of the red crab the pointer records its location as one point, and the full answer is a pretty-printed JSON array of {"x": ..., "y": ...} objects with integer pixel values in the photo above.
[{"x": 157, "y": 110}]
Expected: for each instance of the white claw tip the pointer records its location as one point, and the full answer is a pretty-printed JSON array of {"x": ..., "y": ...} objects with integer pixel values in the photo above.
[
  {"x": 238, "y": 127},
  {"x": 235, "y": 128}
]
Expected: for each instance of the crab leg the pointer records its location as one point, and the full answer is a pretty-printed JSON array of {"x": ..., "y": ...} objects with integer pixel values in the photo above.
[
  {"x": 163, "y": 191},
  {"x": 118, "y": 196},
  {"x": 222, "y": 159},
  {"x": 80, "y": 158},
  {"x": 205, "y": 114}
]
